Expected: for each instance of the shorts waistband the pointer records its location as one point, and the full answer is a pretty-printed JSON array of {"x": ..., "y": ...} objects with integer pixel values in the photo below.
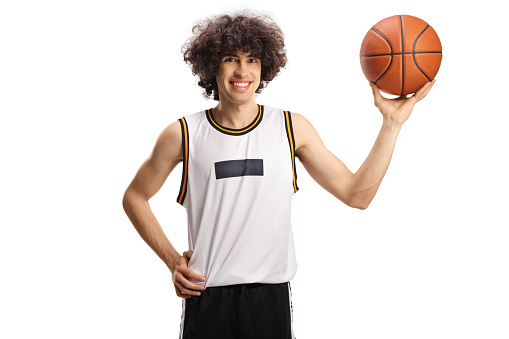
[{"x": 245, "y": 286}]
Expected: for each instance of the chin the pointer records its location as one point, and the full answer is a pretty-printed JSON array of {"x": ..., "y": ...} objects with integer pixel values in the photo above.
[{"x": 240, "y": 98}]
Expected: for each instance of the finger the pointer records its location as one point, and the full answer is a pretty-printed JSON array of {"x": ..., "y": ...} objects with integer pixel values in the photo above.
[
  {"x": 376, "y": 92},
  {"x": 186, "y": 290},
  {"x": 429, "y": 88},
  {"x": 190, "y": 274},
  {"x": 423, "y": 91},
  {"x": 180, "y": 294},
  {"x": 183, "y": 279},
  {"x": 182, "y": 289},
  {"x": 420, "y": 93}
]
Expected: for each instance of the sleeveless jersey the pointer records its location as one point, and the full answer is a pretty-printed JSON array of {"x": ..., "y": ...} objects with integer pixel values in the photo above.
[{"x": 237, "y": 186}]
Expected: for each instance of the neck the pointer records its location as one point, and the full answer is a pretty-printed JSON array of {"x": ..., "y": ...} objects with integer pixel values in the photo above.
[{"x": 234, "y": 115}]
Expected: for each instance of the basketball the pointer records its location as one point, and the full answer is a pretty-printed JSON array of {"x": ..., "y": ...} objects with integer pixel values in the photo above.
[{"x": 400, "y": 54}]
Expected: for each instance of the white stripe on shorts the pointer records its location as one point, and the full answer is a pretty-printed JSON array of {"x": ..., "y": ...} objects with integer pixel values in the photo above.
[
  {"x": 182, "y": 318},
  {"x": 291, "y": 308}
]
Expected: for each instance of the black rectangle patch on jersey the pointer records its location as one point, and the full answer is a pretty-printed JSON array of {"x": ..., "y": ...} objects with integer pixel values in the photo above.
[{"x": 238, "y": 168}]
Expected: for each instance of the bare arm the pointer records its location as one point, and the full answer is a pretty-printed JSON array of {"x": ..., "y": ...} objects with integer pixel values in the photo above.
[
  {"x": 323, "y": 166},
  {"x": 149, "y": 179},
  {"x": 356, "y": 190}
]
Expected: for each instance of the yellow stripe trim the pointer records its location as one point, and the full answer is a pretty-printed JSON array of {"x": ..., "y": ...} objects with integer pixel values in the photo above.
[
  {"x": 209, "y": 112},
  {"x": 186, "y": 150},
  {"x": 291, "y": 147}
]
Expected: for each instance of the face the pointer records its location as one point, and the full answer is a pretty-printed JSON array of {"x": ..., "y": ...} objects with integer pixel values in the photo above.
[{"x": 238, "y": 77}]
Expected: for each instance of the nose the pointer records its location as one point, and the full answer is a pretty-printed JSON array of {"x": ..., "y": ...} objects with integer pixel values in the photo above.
[{"x": 241, "y": 70}]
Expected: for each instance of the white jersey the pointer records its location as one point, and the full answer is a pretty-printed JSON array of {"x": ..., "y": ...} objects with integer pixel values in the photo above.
[{"x": 237, "y": 186}]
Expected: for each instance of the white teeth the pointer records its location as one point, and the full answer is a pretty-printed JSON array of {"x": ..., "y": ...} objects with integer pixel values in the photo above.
[{"x": 241, "y": 84}]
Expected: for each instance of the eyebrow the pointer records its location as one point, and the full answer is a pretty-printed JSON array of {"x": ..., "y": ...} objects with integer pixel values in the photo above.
[{"x": 232, "y": 54}]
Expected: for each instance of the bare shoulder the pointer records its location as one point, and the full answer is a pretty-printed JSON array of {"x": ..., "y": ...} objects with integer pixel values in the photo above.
[
  {"x": 167, "y": 153},
  {"x": 169, "y": 143},
  {"x": 303, "y": 130},
  {"x": 298, "y": 119}
]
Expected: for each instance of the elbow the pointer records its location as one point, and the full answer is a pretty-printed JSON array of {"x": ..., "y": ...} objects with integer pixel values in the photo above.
[
  {"x": 126, "y": 199},
  {"x": 362, "y": 206},
  {"x": 359, "y": 203},
  {"x": 132, "y": 197}
]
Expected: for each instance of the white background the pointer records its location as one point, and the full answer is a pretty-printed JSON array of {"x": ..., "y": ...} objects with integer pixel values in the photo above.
[{"x": 87, "y": 86}]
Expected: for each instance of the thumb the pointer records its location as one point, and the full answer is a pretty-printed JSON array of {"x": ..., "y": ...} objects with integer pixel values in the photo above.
[{"x": 188, "y": 254}]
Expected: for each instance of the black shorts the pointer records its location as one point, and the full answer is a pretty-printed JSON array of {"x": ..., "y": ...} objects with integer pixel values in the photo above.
[{"x": 242, "y": 311}]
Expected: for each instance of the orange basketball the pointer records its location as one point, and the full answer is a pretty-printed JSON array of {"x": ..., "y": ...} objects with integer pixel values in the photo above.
[{"x": 400, "y": 54}]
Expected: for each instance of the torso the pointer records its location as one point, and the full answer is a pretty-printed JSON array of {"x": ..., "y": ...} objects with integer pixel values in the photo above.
[{"x": 238, "y": 194}]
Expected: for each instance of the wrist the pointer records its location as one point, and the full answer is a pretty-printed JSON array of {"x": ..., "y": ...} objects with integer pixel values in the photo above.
[
  {"x": 391, "y": 126},
  {"x": 172, "y": 261}
]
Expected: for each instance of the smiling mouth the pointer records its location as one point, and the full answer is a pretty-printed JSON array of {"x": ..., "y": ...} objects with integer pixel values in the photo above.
[{"x": 240, "y": 84}]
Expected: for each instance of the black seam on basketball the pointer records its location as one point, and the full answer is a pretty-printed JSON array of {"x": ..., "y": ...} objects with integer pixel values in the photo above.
[
  {"x": 390, "y": 46},
  {"x": 415, "y": 60},
  {"x": 375, "y": 55},
  {"x": 402, "y": 57},
  {"x": 415, "y": 42},
  {"x": 392, "y": 54}
]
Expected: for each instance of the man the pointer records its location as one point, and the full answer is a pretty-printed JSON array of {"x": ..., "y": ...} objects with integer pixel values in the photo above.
[{"x": 238, "y": 177}]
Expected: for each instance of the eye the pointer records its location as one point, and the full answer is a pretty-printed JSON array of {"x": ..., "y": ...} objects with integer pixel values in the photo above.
[
  {"x": 229, "y": 59},
  {"x": 253, "y": 60}
]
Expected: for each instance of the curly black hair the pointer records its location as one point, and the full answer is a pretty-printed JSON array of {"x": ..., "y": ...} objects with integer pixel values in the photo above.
[{"x": 214, "y": 37}]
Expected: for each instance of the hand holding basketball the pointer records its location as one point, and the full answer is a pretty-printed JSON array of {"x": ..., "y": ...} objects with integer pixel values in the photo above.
[{"x": 399, "y": 109}]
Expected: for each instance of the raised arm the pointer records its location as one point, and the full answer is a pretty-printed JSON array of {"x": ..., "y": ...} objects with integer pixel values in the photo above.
[
  {"x": 149, "y": 179},
  {"x": 356, "y": 190},
  {"x": 323, "y": 166}
]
